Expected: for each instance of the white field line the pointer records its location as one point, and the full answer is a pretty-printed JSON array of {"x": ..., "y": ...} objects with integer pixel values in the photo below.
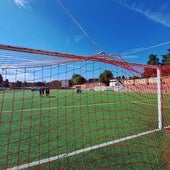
[
  {"x": 149, "y": 104},
  {"x": 65, "y": 155},
  {"x": 75, "y": 106}
]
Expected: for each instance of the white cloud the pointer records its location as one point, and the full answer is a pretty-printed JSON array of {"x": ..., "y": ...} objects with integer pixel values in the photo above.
[
  {"x": 158, "y": 14},
  {"x": 22, "y": 3}
]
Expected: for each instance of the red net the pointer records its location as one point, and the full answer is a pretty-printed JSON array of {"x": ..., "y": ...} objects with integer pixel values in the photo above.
[{"x": 62, "y": 111}]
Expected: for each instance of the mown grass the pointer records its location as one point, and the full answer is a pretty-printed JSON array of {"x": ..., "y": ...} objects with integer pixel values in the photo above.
[{"x": 34, "y": 128}]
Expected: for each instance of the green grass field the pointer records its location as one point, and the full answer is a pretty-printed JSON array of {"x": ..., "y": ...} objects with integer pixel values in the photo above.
[{"x": 34, "y": 128}]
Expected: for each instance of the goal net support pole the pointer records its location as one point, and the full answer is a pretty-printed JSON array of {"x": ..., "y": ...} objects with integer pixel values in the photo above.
[{"x": 159, "y": 98}]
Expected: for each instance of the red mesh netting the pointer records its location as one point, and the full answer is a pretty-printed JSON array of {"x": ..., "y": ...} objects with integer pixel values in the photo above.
[{"x": 62, "y": 111}]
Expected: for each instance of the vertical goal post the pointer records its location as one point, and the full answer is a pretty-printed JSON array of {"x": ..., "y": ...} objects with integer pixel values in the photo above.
[
  {"x": 120, "y": 125},
  {"x": 160, "y": 124}
]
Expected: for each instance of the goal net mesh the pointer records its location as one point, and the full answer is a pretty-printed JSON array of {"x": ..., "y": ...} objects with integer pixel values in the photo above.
[{"x": 64, "y": 111}]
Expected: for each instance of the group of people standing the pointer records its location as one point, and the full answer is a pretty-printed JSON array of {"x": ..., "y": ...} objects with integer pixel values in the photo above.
[{"x": 43, "y": 90}]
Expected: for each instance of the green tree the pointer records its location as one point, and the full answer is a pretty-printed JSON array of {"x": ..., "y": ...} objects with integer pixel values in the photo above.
[
  {"x": 165, "y": 64},
  {"x": 6, "y": 83},
  {"x": 105, "y": 77},
  {"x": 39, "y": 83},
  {"x": 166, "y": 58},
  {"x": 149, "y": 72},
  {"x": 77, "y": 79},
  {"x": 153, "y": 60}
]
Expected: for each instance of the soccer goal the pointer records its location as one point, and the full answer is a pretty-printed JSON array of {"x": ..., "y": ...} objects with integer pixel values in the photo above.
[{"x": 66, "y": 111}]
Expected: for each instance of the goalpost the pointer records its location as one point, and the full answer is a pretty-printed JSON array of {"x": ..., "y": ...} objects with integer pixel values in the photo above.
[
  {"x": 159, "y": 99},
  {"x": 120, "y": 120}
]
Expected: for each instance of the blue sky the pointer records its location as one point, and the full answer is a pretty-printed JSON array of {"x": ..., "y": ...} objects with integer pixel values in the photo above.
[{"x": 132, "y": 28}]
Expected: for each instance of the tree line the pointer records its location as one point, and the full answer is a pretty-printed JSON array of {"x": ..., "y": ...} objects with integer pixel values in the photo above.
[
  {"x": 106, "y": 75},
  {"x": 148, "y": 72},
  {"x": 103, "y": 77},
  {"x": 154, "y": 60}
]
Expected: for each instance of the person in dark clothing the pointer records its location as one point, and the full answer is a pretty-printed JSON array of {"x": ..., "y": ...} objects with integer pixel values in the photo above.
[
  {"x": 40, "y": 91},
  {"x": 47, "y": 91},
  {"x": 43, "y": 89}
]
